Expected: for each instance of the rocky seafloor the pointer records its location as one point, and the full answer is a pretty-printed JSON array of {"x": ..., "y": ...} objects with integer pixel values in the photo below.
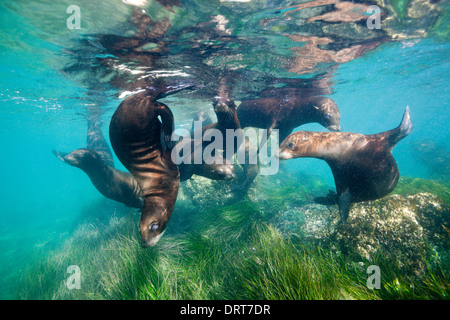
[
  {"x": 272, "y": 242},
  {"x": 409, "y": 227}
]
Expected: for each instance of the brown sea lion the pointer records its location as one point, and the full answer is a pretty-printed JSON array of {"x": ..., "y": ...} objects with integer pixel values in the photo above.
[
  {"x": 112, "y": 183},
  {"x": 223, "y": 169},
  {"x": 362, "y": 165},
  {"x": 284, "y": 112},
  {"x": 227, "y": 118},
  {"x": 215, "y": 169},
  {"x": 97, "y": 162},
  {"x": 143, "y": 143},
  {"x": 287, "y": 111}
]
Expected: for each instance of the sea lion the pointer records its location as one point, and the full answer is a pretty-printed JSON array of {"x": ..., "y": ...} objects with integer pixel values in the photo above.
[
  {"x": 222, "y": 169},
  {"x": 362, "y": 165},
  {"x": 287, "y": 111},
  {"x": 143, "y": 143},
  {"x": 97, "y": 162},
  {"x": 227, "y": 119},
  {"x": 112, "y": 183},
  {"x": 218, "y": 168}
]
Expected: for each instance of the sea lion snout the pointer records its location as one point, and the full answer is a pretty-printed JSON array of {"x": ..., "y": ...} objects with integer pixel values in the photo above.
[
  {"x": 225, "y": 173},
  {"x": 329, "y": 113},
  {"x": 71, "y": 159},
  {"x": 76, "y": 157},
  {"x": 283, "y": 155},
  {"x": 332, "y": 120},
  {"x": 223, "y": 104},
  {"x": 151, "y": 242},
  {"x": 295, "y": 145},
  {"x": 220, "y": 171},
  {"x": 284, "y": 152},
  {"x": 152, "y": 227}
]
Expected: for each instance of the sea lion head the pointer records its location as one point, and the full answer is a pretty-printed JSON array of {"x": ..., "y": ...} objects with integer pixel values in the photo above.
[
  {"x": 223, "y": 105},
  {"x": 223, "y": 172},
  {"x": 82, "y": 158},
  {"x": 153, "y": 222},
  {"x": 220, "y": 169},
  {"x": 296, "y": 145},
  {"x": 328, "y": 113}
]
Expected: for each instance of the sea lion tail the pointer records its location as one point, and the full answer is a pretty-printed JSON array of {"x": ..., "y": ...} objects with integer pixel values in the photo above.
[{"x": 403, "y": 130}]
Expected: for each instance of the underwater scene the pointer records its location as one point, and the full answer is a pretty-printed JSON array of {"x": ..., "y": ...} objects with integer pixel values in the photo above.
[{"x": 225, "y": 150}]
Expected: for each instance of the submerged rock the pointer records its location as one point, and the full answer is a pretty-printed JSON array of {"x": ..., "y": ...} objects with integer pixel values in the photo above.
[
  {"x": 204, "y": 193},
  {"x": 270, "y": 193},
  {"x": 409, "y": 186},
  {"x": 406, "y": 228},
  {"x": 388, "y": 227},
  {"x": 312, "y": 222},
  {"x": 402, "y": 229}
]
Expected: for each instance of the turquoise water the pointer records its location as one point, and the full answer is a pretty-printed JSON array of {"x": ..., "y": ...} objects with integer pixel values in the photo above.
[{"x": 43, "y": 109}]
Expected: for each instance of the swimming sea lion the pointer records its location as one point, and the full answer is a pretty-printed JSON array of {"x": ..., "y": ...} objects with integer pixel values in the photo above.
[
  {"x": 143, "y": 143},
  {"x": 250, "y": 167},
  {"x": 287, "y": 111},
  {"x": 112, "y": 183},
  {"x": 222, "y": 169},
  {"x": 96, "y": 161},
  {"x": 362, "y": 165},
  {"x": 227, "y": 118}
]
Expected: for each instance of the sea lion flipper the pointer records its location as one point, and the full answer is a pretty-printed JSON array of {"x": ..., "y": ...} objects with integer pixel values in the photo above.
[
  {"x": 250, "y": 166},
  {"x": 330, "y": 199},
  {"x": 250, "y": 174},
  {"x": 406, "y": 125},
  {"x": 344, "y": 202},
  {"x": 169, "y": 90}
]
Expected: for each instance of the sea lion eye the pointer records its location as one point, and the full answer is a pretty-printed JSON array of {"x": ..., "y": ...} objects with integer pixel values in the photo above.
[
  {"x": 154, "y": 227},
  {"x": 328, "y": 116},
  {"x": 291, "y": 145}
]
